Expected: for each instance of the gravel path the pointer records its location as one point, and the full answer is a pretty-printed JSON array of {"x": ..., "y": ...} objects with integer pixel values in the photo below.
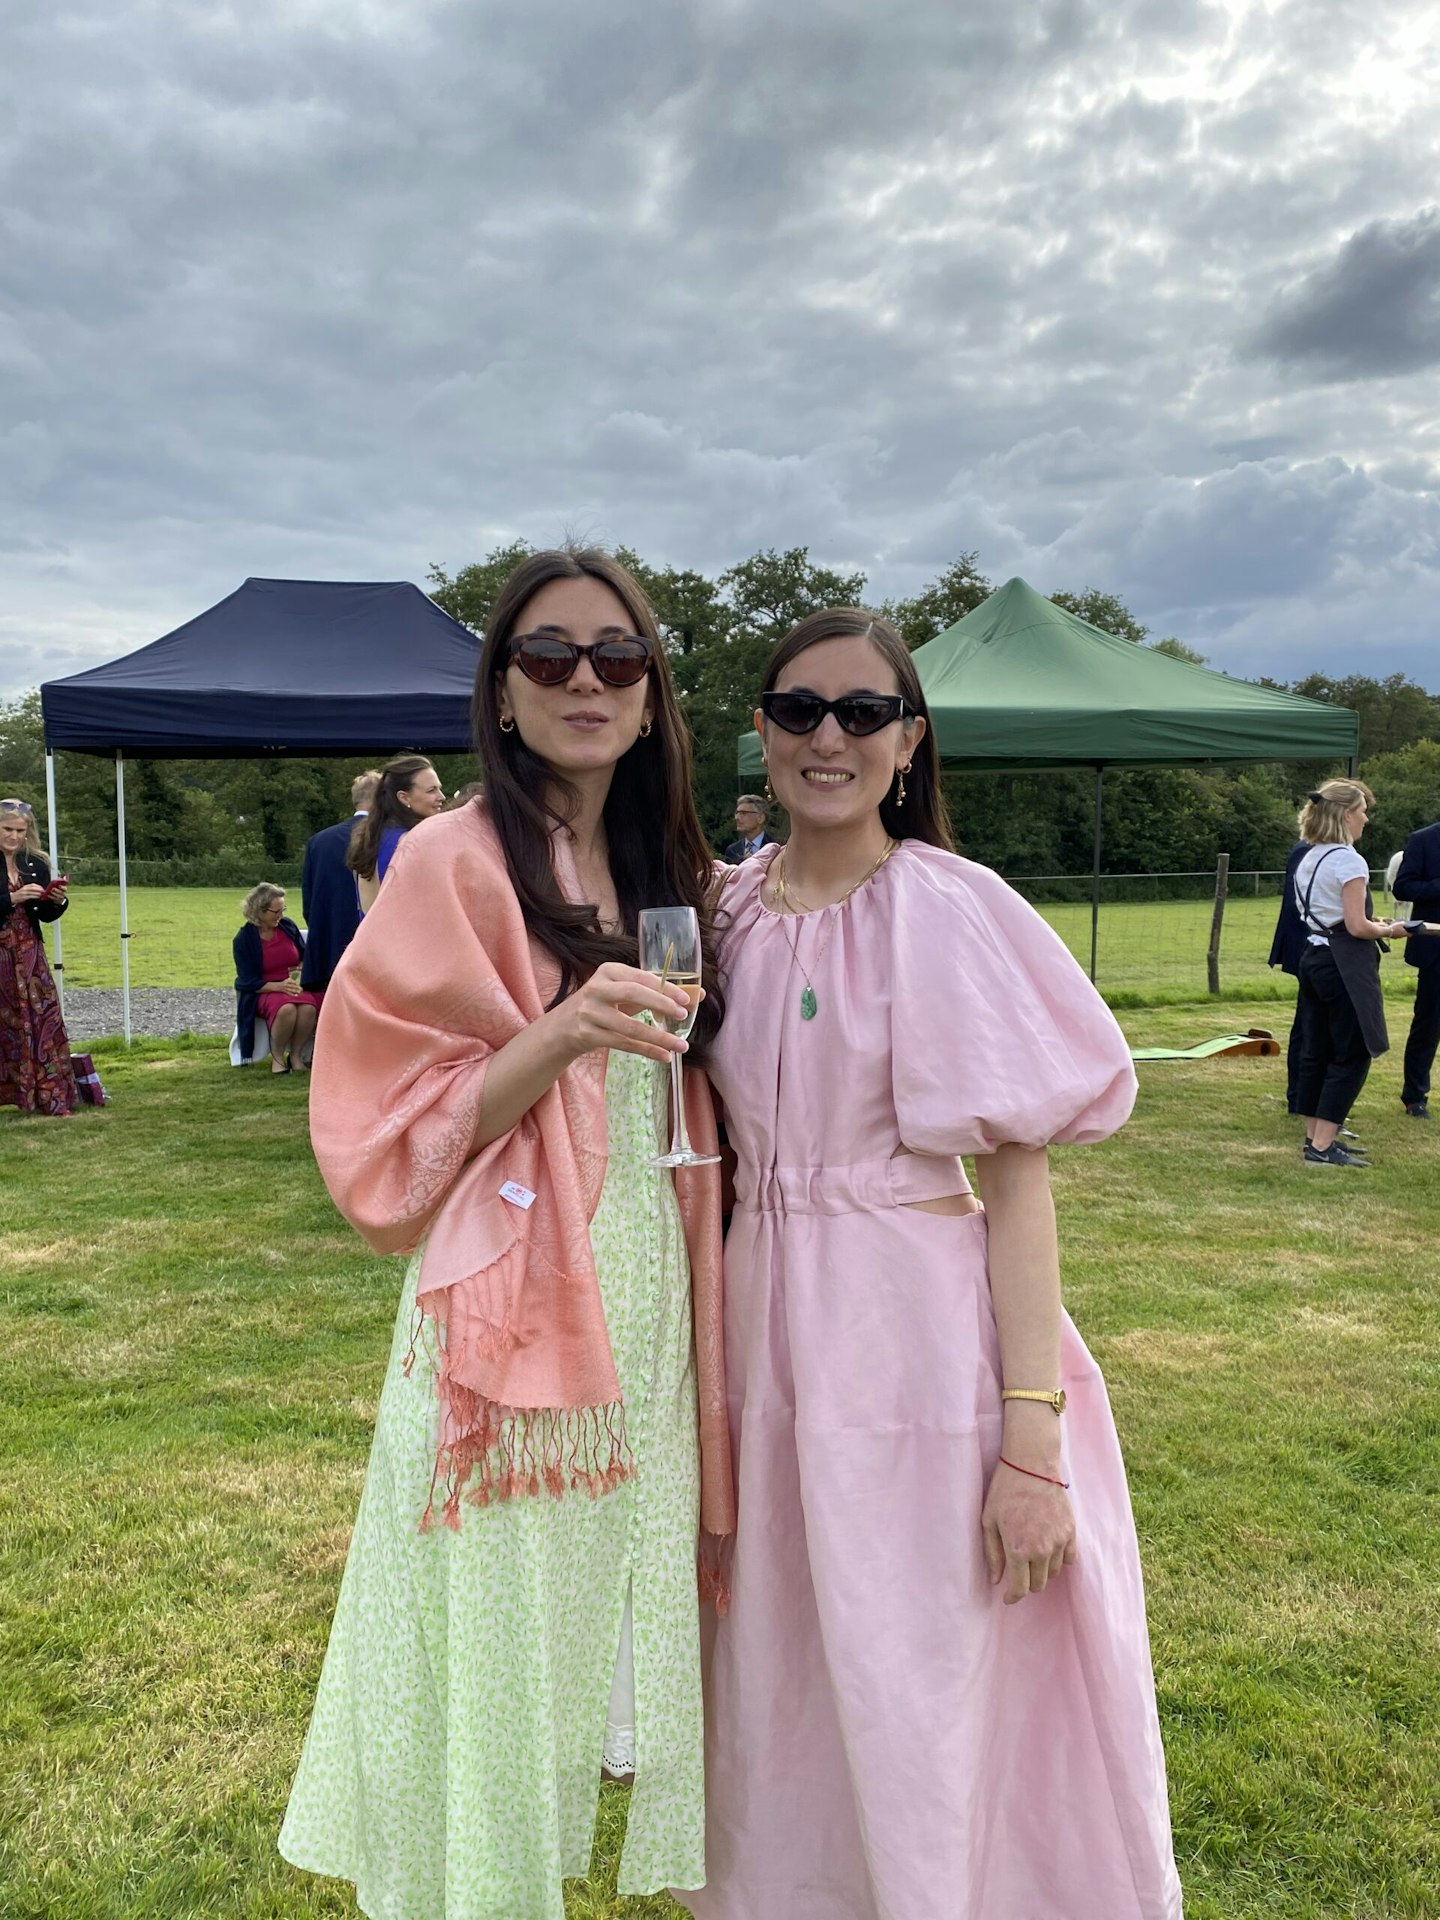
[{"x": 95, "y": 1013}]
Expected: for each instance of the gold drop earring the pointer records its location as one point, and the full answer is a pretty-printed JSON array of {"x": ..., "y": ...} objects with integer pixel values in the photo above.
[{"x": 900, "y": 773}]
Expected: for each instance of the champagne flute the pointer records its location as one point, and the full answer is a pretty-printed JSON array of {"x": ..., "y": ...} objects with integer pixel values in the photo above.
[{"x": 670, "y": 946}]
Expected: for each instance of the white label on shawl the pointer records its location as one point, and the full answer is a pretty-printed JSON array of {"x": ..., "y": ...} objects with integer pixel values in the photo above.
[{"x": 517, "y": 1195}]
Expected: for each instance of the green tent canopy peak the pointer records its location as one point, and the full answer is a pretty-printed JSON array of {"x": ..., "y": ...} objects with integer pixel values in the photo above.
[{"x": 1020, "y": 683}]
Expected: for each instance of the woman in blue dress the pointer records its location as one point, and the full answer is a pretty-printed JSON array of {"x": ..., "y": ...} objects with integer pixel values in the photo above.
[{"x": 410, "y": 790}]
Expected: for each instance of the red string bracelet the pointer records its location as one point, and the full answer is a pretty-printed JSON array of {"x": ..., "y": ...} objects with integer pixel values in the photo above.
[{"x": 1034, "y": 1476}]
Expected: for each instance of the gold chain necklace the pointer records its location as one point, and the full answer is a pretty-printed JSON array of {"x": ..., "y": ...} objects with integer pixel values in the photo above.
[{"x": 809, "y": 1001}]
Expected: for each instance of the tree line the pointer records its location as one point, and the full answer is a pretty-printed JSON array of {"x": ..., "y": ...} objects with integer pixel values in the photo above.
[{"x": 252, "y": 817}]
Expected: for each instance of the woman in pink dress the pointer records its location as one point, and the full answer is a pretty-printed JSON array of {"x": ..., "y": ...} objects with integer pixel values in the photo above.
[
  {"x": 933, "y": 1693},
  {"x": 268, "y": 951}
]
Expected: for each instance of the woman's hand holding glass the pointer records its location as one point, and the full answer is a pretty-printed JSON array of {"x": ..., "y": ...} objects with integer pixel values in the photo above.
[
  {"x": 670, "y": 944},
  {"x": 603, "y": 1013}
]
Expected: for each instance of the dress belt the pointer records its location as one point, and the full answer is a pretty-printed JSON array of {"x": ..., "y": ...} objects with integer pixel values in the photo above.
[{"x": 860, "y": 1187}]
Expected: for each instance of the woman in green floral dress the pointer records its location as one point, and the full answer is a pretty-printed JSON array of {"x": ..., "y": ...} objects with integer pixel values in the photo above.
[{"x": 485, "y": 1096}]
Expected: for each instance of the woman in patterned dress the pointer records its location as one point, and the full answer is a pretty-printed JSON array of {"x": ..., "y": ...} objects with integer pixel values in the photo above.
[
  {"x": 485, "y": 1097},
  {"x": 35, "y": 1071}
]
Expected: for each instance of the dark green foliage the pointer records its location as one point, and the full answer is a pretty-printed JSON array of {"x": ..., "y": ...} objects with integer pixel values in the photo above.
[
  {"x": 1178, "y": 650},
  {"x": 468, "y": 597},
  {"x": 257, "y": 815},
  {"x": 1407, "y": 795},
  {"x": 1393, "y": 712},
  {"x": 958, "y": 591},
  {"x": 1102, "y": 610}
]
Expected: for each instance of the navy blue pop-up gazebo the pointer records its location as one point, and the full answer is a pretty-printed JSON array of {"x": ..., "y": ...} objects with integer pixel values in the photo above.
[{"x": 277, "y": 667}]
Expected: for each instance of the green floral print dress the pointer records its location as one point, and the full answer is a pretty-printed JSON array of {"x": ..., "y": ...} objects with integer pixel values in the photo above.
[{"x": 452, "y": 1766}]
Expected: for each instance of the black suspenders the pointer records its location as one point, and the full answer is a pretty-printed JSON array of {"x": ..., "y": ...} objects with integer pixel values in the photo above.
[{"x": 1314, "y": 926}]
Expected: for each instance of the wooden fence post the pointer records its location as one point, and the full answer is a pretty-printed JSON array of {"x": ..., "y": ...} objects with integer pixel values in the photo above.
[{"x": 1217, "y": 920}]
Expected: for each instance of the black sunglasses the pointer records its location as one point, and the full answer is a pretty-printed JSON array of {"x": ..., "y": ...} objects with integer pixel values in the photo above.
[
  {"x": 550, "y": 661},
  {"x": 859, "y": 713}
]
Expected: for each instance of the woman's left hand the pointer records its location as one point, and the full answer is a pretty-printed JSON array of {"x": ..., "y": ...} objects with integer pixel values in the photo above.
[{"x": 1029, "y": 1532}]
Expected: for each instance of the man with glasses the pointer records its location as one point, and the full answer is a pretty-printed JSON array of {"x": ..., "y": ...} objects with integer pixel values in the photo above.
[{"x": 751, "y": 814}]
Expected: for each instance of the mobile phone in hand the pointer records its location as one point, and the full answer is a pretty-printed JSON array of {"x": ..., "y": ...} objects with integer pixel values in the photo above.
[{"x": 60, "y": 881}]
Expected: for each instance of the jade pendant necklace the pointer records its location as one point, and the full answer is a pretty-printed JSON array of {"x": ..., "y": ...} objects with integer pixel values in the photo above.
[{"x": 794, "y": 906}]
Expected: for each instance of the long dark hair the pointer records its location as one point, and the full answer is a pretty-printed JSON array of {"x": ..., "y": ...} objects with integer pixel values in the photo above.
[
  {"x": 658, "y": 854},
  {"x": 397, "y": 776},
  {"x": 924, "y": 815}
]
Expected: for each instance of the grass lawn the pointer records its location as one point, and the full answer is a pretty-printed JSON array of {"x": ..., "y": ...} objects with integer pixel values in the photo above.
[
  {"x": 181, "y": 938},
  {"x": 194, "y": 1346}
]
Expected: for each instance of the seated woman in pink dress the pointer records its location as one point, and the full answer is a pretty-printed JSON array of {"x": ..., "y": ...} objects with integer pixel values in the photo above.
[
  {"x": 268, "y": 950},
  {"x": 933, "y": 1692}
]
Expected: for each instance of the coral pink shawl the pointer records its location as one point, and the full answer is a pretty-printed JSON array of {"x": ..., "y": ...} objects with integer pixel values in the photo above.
[{"x": 440, "y": 976}]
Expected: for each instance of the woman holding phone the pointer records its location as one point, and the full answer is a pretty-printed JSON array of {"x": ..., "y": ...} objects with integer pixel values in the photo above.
[
  {"x": 932, "y": 1693},
  {"x": 35, "y": 1071},
  {"x": 518, "y": 1610}
]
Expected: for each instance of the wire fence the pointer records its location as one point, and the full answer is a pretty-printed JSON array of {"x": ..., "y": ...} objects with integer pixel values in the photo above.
[
  {"x": 1154, "y": 936},
  {"x": 1168, "y": 935}
]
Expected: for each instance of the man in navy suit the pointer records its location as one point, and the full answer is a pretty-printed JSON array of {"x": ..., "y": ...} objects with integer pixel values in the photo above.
[
  {"x": 327, "y": 888},
  {"x": 751, "y": 814},
  {"x": 1418, "y": 881}
]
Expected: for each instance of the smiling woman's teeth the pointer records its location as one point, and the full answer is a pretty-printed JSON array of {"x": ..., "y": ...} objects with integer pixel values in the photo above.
[{"x": 828, "y": 779}]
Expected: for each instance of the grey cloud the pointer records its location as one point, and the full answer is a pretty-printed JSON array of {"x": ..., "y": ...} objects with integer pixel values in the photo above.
[
  {"x": 344, "y": 286},
  {"x": 1373, "y": 311},
  {"x": 1250, "y": 561}
]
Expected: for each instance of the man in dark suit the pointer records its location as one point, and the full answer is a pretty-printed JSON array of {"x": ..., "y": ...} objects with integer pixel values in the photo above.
[
  {"x": 751, "y": 814},
  {"x": 1418, "y": 881},
  {"x": 327, "y": 887}
]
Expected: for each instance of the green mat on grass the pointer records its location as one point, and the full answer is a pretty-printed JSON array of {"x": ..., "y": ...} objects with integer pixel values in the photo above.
[{"x": 1258, "y": 1041}]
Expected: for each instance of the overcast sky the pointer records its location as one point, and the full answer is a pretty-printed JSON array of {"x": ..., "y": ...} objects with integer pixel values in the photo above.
[{"x": 1144, "y": 297}]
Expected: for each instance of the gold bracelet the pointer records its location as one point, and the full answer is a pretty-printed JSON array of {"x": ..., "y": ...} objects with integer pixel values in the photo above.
[{"x": 1055, "y": 1401}]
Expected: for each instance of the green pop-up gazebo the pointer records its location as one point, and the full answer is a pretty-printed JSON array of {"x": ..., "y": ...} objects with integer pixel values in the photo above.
[{"x": 1020, "y": 685}]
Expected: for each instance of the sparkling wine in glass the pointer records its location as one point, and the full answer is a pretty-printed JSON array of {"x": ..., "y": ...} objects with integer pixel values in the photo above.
[{"x": 670, "y": 946}]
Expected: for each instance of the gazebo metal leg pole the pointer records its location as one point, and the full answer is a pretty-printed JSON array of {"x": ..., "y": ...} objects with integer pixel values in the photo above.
[
  {"x": 124, "y": 898},
  {"x": 1095, "y": 874},
  {"x": 57, "y": 965}
]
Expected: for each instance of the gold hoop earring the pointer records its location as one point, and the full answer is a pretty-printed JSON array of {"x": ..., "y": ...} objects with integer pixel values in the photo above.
[
  {"x": 644, "y": 729},
  {"x": 507, "y": 725},
  {"x": 900, "y": 773}
]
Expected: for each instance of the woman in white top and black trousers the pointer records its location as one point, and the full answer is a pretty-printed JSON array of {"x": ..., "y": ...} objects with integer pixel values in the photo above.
[{"x": 1341, "y": 1011}]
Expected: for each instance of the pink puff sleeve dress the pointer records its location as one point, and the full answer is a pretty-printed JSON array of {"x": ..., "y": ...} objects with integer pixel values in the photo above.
[{"x": 886, "y": 1740}]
